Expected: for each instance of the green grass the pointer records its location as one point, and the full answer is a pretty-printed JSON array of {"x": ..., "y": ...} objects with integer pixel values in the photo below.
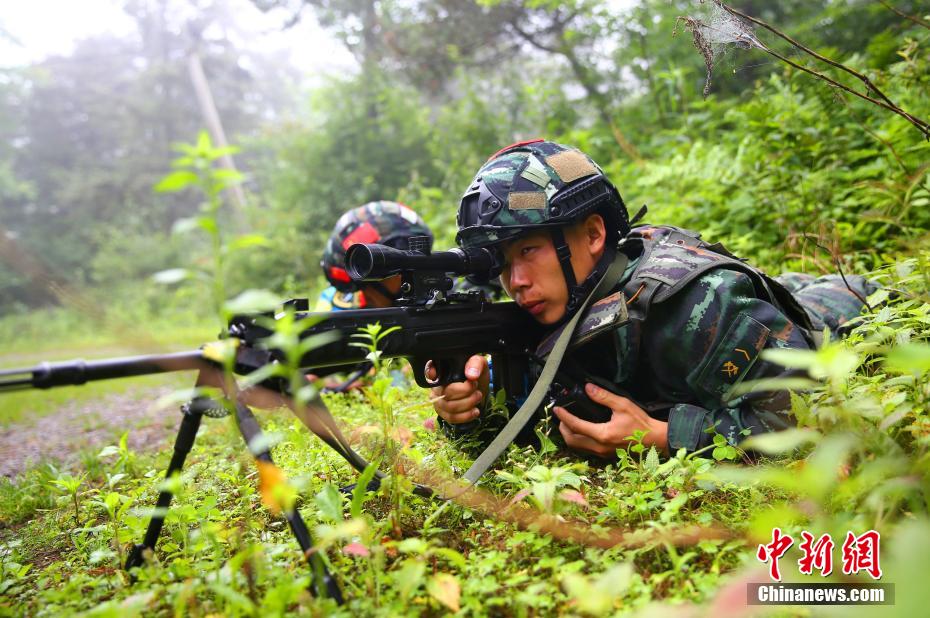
[{"x": 683, "y": 531}]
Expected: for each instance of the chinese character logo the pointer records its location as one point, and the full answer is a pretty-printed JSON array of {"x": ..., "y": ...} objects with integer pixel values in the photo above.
[
  {"x": 817, "y": 555},
  {"x": 730, "y": 369},
  {"x": 860, "y": 553},
  {"x": 773, "y": 551}
]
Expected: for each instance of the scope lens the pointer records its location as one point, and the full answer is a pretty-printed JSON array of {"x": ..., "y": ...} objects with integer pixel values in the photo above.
[{"x": 359, "y": 262}]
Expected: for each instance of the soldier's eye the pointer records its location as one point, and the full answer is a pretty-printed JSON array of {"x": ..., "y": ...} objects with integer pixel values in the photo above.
[{"x": 527, "y": 250}]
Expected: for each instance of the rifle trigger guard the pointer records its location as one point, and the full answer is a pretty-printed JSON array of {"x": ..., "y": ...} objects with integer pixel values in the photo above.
[
  {"x": 429, "y": 365},
  {"x": 448, "y": 370}
]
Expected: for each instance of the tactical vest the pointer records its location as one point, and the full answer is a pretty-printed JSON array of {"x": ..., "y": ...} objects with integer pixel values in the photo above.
[{"x": 669, "y": 259}]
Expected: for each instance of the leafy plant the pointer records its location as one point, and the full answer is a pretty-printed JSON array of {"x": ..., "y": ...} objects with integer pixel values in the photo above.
[{"x": 70, "y": 485}]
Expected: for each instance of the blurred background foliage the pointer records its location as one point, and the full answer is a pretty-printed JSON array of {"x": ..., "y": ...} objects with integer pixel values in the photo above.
[{"x": 779, "y": 166}]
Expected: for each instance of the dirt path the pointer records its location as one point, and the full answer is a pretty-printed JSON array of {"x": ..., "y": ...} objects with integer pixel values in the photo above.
[{"x": 62, "y": 435}]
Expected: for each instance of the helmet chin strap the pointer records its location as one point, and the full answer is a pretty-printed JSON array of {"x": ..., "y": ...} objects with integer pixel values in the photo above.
[
  {"x": 564, "y": 254},
  {"x": 577, "y": 292}
]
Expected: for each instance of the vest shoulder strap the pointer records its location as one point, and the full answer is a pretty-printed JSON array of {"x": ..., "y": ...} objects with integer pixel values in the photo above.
[{"x": 672, "y": 257}]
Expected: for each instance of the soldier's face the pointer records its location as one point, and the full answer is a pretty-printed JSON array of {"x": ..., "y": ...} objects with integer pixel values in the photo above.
[
  {"x": 376, "y": 299},
  {"x": 533, "y": 277}
]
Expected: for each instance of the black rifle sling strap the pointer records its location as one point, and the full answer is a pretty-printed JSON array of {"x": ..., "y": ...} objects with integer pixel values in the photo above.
[{"x": 509, "y": 433}]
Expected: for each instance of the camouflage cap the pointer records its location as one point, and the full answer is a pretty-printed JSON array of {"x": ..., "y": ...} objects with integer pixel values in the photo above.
[
  {"x": 535, "y": 184},
  {"x": 387, "y": 223}
]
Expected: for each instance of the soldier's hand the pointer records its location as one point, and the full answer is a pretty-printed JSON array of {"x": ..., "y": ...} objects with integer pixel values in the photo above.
[
  {"x": 459, "y": 402},
  {"x": 603, "y": 439}
]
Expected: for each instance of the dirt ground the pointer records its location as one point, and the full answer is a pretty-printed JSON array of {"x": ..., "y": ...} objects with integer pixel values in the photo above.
[{"x": 61, "y": 436}]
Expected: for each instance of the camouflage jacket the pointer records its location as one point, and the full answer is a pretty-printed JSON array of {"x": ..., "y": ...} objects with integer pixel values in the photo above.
[{"x": 687, "y": 323}]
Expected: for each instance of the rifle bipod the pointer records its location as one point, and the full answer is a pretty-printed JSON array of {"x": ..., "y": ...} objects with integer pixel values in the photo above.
[{"x": 322, "y": 583}]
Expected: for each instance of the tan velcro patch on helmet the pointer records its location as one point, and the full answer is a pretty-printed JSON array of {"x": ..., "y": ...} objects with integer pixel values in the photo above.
[
  {"x": 527, "y": 200},
  {"x": 571, "y": 165}
]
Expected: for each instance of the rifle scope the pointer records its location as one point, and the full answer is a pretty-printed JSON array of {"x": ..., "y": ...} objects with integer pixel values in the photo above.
[{"x": 373, "y": 262}]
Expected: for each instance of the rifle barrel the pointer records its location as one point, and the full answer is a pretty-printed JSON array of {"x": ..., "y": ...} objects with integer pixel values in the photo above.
[{"x": 79, "y": 371}]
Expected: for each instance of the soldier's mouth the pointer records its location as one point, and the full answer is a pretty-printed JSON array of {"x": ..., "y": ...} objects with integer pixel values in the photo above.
[{"x": 534, "y": 307}]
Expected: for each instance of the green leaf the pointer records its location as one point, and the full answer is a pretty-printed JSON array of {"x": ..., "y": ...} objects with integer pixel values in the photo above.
[
  {"x": 793, "y": 359},
  {"x": 444, "y": 587},
  {"x": 246, "y": 241},
  {"x": 781, "y": 441},
  {"x": 911, "y": 358},
  {"x": 233, "y": 598},
  {"x": 264, "y": 372},
  {"x": 176, "y": 181},
  {"x": 204, "y": 143},
  {"x": 771, "y": 384},
  {"x": 189, "y": 224},
  {"x": 451, "y": 556},
  {"x": 252, "y": 301},
  {"x": 329, "y": 502},
  {"x": 360, "y": 493},
  {"x": 172, "y": 275},
  {"x": 216, "y": 153},
  {"x": 264, "y": 442},
  {"x": 409, "y": 577},
  {"x": 225, "y": 174},
  {"x": 414, "y": 545},
  {"x": 652, "y": 459}
]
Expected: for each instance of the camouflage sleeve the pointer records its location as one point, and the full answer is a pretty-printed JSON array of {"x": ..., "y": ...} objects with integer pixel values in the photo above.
[{"x": 704, "y": 341}]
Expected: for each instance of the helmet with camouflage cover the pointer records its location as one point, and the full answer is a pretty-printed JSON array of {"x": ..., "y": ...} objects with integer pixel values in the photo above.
[
  {"x": 538, "y": 185},
  {"x": 383, "y": 222}
]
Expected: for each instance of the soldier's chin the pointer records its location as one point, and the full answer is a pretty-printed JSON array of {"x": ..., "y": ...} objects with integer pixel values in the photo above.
[{"x": 550, "y": 316}]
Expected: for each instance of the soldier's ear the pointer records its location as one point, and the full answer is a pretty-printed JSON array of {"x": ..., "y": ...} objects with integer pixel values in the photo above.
[{"x": 595, "y": 233}]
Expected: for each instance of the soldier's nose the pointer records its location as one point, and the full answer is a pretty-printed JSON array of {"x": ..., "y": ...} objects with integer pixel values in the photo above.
[{"x": 518, "y": 277}]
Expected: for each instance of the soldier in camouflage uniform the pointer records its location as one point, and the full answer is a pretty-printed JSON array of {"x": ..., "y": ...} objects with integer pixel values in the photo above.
[
  {"x": 682, "y": 326},
  {"x": 383, "y": 222}
]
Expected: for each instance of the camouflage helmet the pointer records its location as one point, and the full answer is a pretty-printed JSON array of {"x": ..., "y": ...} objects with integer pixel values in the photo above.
[
  {"x": 533, "y": 185},
  {"x": 383, "y": 222}
]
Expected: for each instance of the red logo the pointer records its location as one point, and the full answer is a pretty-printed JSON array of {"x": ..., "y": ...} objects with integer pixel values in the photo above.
[
  {"x": 817, "y": 555},
  {"x": 773, "y": 551},
  {"x": 860, "y": 553}
]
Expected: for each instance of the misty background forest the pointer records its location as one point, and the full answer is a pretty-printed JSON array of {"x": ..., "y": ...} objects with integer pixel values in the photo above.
[{"x": 797, "y": 135}]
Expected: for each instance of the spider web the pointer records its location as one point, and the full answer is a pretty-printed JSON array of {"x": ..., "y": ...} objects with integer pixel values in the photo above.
[{"x": 715, "y": 32}]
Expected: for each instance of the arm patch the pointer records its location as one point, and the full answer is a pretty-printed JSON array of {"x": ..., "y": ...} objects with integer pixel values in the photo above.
[{"x": 732, "y": 358}]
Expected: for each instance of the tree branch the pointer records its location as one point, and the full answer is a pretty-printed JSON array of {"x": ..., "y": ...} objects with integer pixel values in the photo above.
[
  {"x": 913, "y": 18},
  {"x": 922, "y": 125},
  {"x": 531, "y": 39}
]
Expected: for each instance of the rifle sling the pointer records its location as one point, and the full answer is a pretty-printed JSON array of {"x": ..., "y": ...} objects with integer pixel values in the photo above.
[
  {"x": 509, "y": 433},
  {"x": 317, "y": 417}
]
